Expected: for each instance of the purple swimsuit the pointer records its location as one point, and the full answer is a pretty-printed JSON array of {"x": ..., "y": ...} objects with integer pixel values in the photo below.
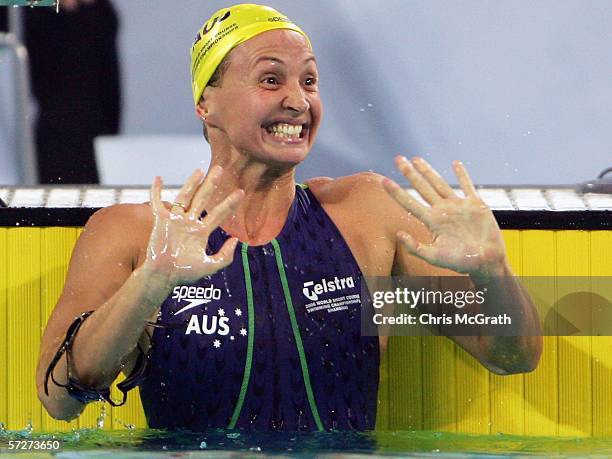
[{"x": 273, "y": 341}]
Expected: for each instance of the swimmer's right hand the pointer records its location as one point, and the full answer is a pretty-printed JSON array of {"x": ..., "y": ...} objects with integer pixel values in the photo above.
[{"x": 177, "y": 246}]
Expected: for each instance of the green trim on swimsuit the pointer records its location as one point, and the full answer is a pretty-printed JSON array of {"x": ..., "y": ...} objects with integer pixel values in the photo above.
[
  {"x": 296, "y": 334},
  {"x": 251, "y": 338}
]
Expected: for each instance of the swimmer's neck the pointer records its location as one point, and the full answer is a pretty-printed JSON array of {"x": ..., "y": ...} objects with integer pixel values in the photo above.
[{"x": 269, "y": 193}]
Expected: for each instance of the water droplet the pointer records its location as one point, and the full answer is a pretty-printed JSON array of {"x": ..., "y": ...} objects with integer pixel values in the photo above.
[{"x": 100, "y": 420}]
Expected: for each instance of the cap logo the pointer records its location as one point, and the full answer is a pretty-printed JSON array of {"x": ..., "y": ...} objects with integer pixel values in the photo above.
[{"x": 212, "y": 23}]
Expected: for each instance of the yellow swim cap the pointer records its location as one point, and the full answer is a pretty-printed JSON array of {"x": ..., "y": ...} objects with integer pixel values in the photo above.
[{"x": 227, "y": 28}]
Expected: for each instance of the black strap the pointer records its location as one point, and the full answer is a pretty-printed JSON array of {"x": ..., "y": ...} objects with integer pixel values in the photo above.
[{"x": 79, "y": 391}]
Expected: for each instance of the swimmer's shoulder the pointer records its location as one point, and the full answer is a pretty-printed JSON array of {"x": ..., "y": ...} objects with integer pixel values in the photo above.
[
  {"x": 362, "y": 195},
  {"x": 122, "y": 227},
  {"x": 122, "y": 217},
  {"x": 362, "y": 187}
]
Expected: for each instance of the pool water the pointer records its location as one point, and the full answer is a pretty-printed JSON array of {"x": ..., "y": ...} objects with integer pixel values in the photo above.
[{"x": 151, "y": 443}]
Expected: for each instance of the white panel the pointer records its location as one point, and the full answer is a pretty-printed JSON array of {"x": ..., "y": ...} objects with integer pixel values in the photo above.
[
  {"x": 599, "y": 201},
  {"x": 565, "y": 200},
  {"x": 28, "y": 197},
  {"x": 137, "y": 196},
  {"x": 529, "y": 199},
  {"x": 99, "y": 198},
  {"x": 496, "y": 198},
  {"x": 62, "y": 197}
]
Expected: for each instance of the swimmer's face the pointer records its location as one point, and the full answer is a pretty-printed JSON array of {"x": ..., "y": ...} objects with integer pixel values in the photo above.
[{"x": 267, "y": 105}]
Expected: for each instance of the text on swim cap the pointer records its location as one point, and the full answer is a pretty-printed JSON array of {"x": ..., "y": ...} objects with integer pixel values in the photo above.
[
  {"x": 279, "y": 19},
  {"x": 209, "y": 25}
]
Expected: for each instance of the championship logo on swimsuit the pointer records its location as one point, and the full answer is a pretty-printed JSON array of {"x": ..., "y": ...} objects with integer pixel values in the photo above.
[{"x": 330, "y": 294}]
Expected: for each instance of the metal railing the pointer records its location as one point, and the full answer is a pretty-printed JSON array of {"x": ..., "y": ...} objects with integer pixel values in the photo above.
[{"x": 24, "y": 146}]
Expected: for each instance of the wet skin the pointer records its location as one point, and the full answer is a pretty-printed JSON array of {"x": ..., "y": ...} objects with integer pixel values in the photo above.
[{"x": 141, "y": 251}]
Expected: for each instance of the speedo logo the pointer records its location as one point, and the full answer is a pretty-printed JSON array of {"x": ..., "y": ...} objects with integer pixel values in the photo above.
[
  {"x": 195, "y": 296},
  {"x": 312, "y": 290}
]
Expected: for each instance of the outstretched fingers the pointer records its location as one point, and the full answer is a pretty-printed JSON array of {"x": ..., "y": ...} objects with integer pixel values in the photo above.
[
  {"x": 464, "y": 180},
  {"x": 205, "y": 192},
  {"x": 184, "y": 198},
  {"x": 414, "y": 247},
  {"x": 404, "y": 199},
  {"x": 225, "y": 255},
  {"x": 218, "y": 214},
  {"x": 435, "y": 180},
  {"x": 156, "y": 202},
  {"x": 418, "y": 181}
]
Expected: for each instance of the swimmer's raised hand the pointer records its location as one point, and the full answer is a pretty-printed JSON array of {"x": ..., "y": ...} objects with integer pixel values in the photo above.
[
  {"x": 466, "y": 237},
  {"x": 177, "y": 246}
]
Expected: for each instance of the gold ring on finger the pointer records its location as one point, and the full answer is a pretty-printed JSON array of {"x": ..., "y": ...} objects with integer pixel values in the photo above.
[{"x": 181, "y": 205}]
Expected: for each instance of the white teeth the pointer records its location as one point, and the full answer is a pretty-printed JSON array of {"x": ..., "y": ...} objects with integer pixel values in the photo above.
[{"x": 285, "y": 130}]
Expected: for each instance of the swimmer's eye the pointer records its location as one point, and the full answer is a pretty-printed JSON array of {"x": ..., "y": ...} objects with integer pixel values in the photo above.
[
  {"x": 311, "y": 81},
  {"x": 272, "y": 81}
]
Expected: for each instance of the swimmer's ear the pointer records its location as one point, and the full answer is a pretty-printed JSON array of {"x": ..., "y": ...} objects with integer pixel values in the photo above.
[{"x": 200, "y": 110}]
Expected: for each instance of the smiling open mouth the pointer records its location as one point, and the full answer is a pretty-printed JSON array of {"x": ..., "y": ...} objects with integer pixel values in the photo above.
[{"x": 287, "y": 132}]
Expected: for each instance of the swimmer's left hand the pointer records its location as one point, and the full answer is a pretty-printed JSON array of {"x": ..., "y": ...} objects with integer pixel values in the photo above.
[{"x": 466, "y": 237}]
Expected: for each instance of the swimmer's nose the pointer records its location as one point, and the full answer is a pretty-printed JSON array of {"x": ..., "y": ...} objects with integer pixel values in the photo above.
[{"x": 295, "y": 98}]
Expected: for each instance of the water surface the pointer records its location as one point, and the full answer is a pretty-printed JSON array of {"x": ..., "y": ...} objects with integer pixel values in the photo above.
[{"x": 151, "y": 443}]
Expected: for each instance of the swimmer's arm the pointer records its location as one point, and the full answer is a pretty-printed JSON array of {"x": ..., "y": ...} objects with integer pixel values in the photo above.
[
  {"x": 502, "y": 355},
  {"x": 460, "y": 224},
  {"x": 101, "y": 277}
]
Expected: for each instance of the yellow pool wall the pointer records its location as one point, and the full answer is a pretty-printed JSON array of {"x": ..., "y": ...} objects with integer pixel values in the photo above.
[{"x": 426, "y": 382}]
